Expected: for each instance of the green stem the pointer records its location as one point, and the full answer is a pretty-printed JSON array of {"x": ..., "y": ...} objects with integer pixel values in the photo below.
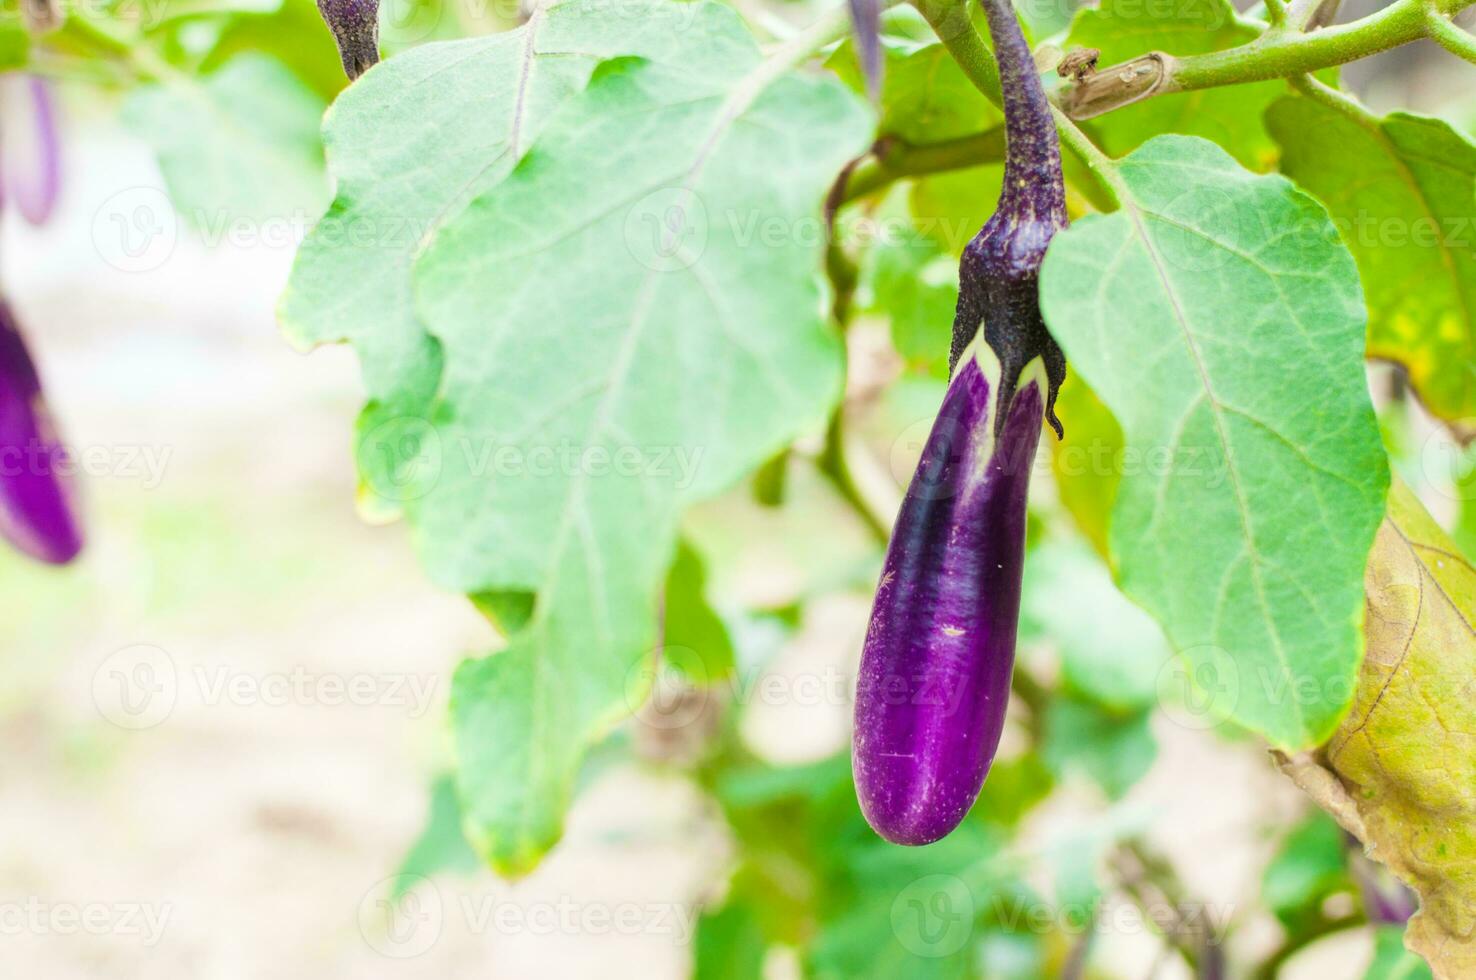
[
  {"x": 894, "y": 160},
  {"x": 1284, "y": 54},
  {"x": 1340, "y": 102},
  {"x": 141, "y": 59},
  {"x": 1270, "y": 968},
  {"x": 836, "y": 467},
  {"x": 1450, "y": 37}
]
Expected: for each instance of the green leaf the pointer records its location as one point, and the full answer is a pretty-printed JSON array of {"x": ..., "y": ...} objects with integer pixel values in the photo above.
[
  {"x": 926, "y": 97},
  {"x": 409, "y": 145},
  {"x": 290, "y": 30},
  {"x": 730, "y": 943},
  {"x": 1219, "y": 318},
  {"x": 240, "y": 144},
  {"x": 1114, "y": 750},
  {"x": 1111, "y": 651},
  {"x": 1402, "y": 190},
  {"x": 695, "y": 639},
  {"x": 1231, "y": 117},
  {"x": 1012, "y": 790},
  {"x": 620, "y": 302},
  {"x": 1392, "y": 961},
  {"x": 914, "y": 282},
  {"x": 441, "y": 845},
  {"x": 15, "y": 44},
  {"x": 1310, "y": 865},
  {"x": 1088, "y": 461}
]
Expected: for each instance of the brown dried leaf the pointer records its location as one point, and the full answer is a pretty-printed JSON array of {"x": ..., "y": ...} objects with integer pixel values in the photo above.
[{"x": 1406, "y": 754}]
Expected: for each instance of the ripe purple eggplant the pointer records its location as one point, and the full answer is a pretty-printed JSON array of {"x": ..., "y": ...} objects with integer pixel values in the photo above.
[
  {"x": 355, "y": 27},
  {"x": 935, "y": 670},
  {"x": 37, "y": 514}
]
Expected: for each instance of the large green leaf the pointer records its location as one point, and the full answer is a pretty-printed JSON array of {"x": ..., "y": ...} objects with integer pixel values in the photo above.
[
  {"x": 1088, "y": 461},
  {"x": 1125, "y": 29},
  {"x": 1220, "y": 319},
  {"x": 926, "y": 97},
  {"x": 410, "y": 144},
  {"x": 240, "y": 144},
  {"x": 1402, "y": 190},
  {"x": 630, "y": 321}
]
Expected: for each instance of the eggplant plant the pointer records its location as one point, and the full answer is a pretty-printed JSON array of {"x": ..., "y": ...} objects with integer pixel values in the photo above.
[
  {"x": 934, "y": 678},
  {"x": 652, "y": 299}
]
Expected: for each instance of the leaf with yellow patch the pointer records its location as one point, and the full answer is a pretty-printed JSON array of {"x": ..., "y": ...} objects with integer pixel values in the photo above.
[{"x": 1406, "y": 755}]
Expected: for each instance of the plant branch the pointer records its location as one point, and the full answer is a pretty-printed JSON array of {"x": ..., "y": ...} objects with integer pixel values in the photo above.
[
  {"x": 1276, "y": 54},
  {"x": 834, "y": 463},
  {"x": 1450, "y": 37},
  {"x": 950, "y": 21},
  {"x": 893, "y": 160},
  {"x": 1270, "y": 968}
]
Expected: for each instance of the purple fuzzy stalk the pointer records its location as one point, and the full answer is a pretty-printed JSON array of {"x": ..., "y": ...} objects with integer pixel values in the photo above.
[
  {"x": 999, "y": 275},
  {"x": 36, "y": 509},
  {"x": 35, "y": 184},
  {"x": 935, "y": 671},
  {"x": 355, "y": 27}
]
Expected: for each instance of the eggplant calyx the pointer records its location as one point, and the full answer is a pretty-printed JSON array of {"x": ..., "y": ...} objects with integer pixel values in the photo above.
[{"x": 999, "y": 275}]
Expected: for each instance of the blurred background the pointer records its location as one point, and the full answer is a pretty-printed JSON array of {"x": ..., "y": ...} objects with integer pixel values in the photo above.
[{"x": 225, "y": 726}]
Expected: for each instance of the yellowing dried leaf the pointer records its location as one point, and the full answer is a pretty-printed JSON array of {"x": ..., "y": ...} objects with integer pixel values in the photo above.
[{"x": 1407, "y": 752}]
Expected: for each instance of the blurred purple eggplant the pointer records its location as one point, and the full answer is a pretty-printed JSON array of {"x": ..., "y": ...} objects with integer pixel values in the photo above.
[
  {"x": 37, "y": 493},
  {"x": 30, "y": 151}
]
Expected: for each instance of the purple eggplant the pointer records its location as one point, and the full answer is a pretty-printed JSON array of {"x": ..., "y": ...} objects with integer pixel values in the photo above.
[
  {"x": 37, "y": 512},
  {"x": 30, "y": 161},
  {"x": 355, "y": 27},
  {"x": 935, "y": 670}
]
